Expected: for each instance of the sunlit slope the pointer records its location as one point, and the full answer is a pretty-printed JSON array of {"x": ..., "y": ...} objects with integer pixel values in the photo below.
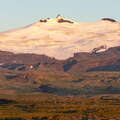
[{"x": 61, "y": 40}]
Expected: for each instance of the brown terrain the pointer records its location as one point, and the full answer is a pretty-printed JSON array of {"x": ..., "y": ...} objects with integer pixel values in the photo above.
[
  {"x": 80, "y": 62},
  {"x": 84, "y": 73},
  {"x": 83, "y": 87}
]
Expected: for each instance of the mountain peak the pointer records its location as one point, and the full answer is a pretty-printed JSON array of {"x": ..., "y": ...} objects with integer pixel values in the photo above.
[{"x": 58, "y": 19}]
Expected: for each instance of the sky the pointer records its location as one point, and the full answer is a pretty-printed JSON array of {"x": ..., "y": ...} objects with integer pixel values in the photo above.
[{"x": 19, "y": 13}]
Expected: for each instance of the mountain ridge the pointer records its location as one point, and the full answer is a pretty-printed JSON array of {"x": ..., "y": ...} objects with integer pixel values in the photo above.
[{"x": 82, "y": 60}]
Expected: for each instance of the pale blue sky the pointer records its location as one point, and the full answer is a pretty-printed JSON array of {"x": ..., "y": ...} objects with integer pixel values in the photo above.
[{"x": 17, "y": 13}]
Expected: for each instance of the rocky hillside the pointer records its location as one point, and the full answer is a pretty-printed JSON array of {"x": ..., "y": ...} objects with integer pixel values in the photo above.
[
  {"x": 74, "y": 76},
  {"x": 108, "y": 60}
]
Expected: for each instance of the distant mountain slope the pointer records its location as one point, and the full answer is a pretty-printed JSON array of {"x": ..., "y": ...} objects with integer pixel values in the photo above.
[{"x": 61, "y": 38}]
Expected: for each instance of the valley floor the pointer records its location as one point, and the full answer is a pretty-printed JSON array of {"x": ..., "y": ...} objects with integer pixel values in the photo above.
[{"x": 49, "y": 107}]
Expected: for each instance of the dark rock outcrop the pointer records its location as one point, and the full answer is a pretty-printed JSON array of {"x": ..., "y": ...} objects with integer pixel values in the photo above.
[{"x": 109, "y": 19}]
